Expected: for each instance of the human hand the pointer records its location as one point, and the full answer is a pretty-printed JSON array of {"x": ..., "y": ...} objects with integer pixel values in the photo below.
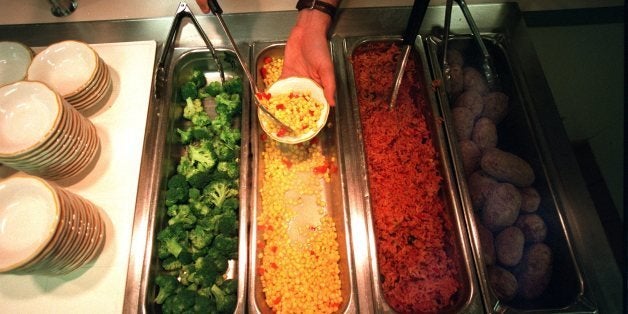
[
  {"x": 307, "y": 52},
  {"x": 202, "y": 4}
]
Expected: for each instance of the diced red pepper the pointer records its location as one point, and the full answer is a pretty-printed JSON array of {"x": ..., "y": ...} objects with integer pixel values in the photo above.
[
  {"x": 277, "y": 300},
  {"x": 268, "y": 60},
  {"x": 260, "y": 244},
  {"x": 333, "y": 168},
  {"x": 273, "y": 265},
  {"x": 312, "y": 113},
  {"x": 262, "y": 96},
  {"x": 281, "y": 107},
  {"x": 263, "y": 137},
  {"x": 282, "y": 132},
  {"x": 287, "y": 162},
  {"x": 314, "y": 141},
  {"x": 263, "y": 72},
  {"x": 322, "y": 168},
  {"x": 261, "y": 271},
  {"x": 273, "y": 249}
]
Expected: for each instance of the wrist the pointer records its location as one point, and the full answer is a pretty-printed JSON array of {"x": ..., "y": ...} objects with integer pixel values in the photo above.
[{"x": 316, "y": 15}]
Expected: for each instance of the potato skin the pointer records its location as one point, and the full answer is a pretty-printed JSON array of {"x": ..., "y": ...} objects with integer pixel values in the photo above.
[
  {"x": 480, "y": 185},
  {"x": 534, "y": 272},
  {"x": 471, "y": 155},
  {"x": 474, "y": 80},
  {"x": 507, "y": 167},
  {"x": 484, "y": 134},
  {"x": 503, "y": 282},
  {"x": 471, "y": 100},
  {"x": 456, "y": 81},
  {"x": 463, "y": 120},
  {"x": 533, "y": 227},
  {"x": 509, "y": 246},
  {"x": 495, "y": 106},
  {"x": 487, "y": 244},
  {"x": 501, "y": 207},
  {"x": 530, "y": 199}
]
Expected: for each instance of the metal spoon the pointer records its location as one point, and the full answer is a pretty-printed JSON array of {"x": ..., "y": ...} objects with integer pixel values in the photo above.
[{"x": 412, "y": 30}]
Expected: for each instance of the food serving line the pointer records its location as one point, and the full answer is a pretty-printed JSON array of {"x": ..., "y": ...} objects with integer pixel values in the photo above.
[{"x": 598, "y": 289}]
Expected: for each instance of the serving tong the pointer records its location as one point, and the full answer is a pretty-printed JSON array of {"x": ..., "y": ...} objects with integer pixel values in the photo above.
[
  {"x": 184, "y": 11},
  {"x": 419, "y": 8},
  {"x": 490, "y": 74}
]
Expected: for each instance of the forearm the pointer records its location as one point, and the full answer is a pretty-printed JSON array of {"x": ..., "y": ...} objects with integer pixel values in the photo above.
[{"x": 315, "y": 21}]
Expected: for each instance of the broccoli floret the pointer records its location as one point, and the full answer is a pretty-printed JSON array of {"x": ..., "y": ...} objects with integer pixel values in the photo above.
[
  {"x": 177, "y": 189},
  {"x": 185, "y": 136},
  {"x": 213, "y": 88},
  {"x": 198, "y": 78},
  {"x": 220, "y": 260},
  {"x": 219, "y": 123},
  {"x": 227, "y": 224},
  {"x": 226, "y": 245},
  {"x": 205, "y": 271},
  {"x": 171, "y": 263},
  {"x": 199, "y": 237},
  {"x": 225, "y": 151},
  {"x": 168, "y": 285},
  {"x": 219, "y": 191},
  {"x": 201, "y": 119},
  {"x": 230, "y": 136},
  {"x": 225, "y": 303},
  {"x": 197, "y": 164},
  {"x": 182, "y": 215},
  {"x": 193, "y": 106},
  {"x": 231, "y": 204},
  {"x": 228, "y": 169},
  {"x": 229, "y": 286},
  {"x": 233, "y": 86},
  {"x": 188, "y": 91},
  {"x": 180, "y": 302},
  {"x": 204, "y": 304},
  {"x": 227, "y": 105},
  {"x": 172, "y": 239}
]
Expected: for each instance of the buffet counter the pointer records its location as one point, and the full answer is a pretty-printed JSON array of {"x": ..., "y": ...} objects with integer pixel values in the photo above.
[{"x": 601, "y": 281}]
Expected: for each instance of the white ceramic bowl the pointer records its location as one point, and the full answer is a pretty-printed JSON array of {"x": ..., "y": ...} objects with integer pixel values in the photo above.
[
  {"x": 29, "y": 113},
  {"x": 68, "y": 67},
  {"x": 15, "y": 58},
  {"x": 286, "y": 86},
  {"x": 29, "y": 215}
]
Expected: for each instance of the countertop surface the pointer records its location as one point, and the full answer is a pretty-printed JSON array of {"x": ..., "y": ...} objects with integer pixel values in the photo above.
[{"x": 38, "y": 11}]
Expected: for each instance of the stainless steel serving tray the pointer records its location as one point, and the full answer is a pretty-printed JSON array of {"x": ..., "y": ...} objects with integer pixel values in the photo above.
[
  {"x": 335, "y": 194},
  {"x": 567, "y": 291},
  {"x": 468, "y": 298},
  {"x": 169, "y": 152}
]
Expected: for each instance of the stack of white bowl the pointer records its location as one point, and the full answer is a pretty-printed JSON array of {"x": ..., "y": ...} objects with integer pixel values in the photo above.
[
  {"x": 41, "y": 134},
  {"x": 15, "y": 58},
  {"x": 75, "y": 71},
  {"x": 46, "y": 229}
]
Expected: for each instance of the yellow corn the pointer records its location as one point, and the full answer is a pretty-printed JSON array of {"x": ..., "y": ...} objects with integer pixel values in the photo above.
[{"x": 299, "y": 270}]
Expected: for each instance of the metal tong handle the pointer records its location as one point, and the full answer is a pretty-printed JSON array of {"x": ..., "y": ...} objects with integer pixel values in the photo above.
[
  {"x": 183, "y": 11},
  {"x": 487, "y": 64},
  {"x": 217, "y": 11},
  {"x": 412, "y": 30}
]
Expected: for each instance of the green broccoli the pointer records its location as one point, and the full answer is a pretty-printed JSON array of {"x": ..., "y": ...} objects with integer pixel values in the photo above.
[
  {"x": 193, "y": 106},
  {"x": 231, "y": 204},
  {"x": 185, "y": 135},
  {"x": 182, "y": 215},
  {"x": 199, "y": 237},
  {"x": 219, "y": 123},
  {"x": 198, "y": 78},
  {"x": 197, "y": 164},
  {"x": 201, "y": 119},
  {"x": 213, "y": 88},
  {"x": 205, "y": 272},
  {"x": 233, "y": 85},
  {"x": 230, "y": 136},
  {"x": 218, "y": 192},
  {"x": 220, "y": 260},
  {"x": 226, "y": 245},
  {"x": 228, "y": 104},
  {"x": 180, "y": 302},
  {"x": 228, "y": 169},
  {"x": 168, "y": 285},
  {"x": 204, "y": 304},
  {"x": 188, "y": 91},
  {"x": 225, "y": 303},
  {"x": 171, "y": 263},
  {"x": 229, "y": 286},
  {"x": 224, "y": 151},
  {"x": 177, "y": 190},
  {"x": 173, "y": 238},
  {"x": 227, "y": 224}
]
